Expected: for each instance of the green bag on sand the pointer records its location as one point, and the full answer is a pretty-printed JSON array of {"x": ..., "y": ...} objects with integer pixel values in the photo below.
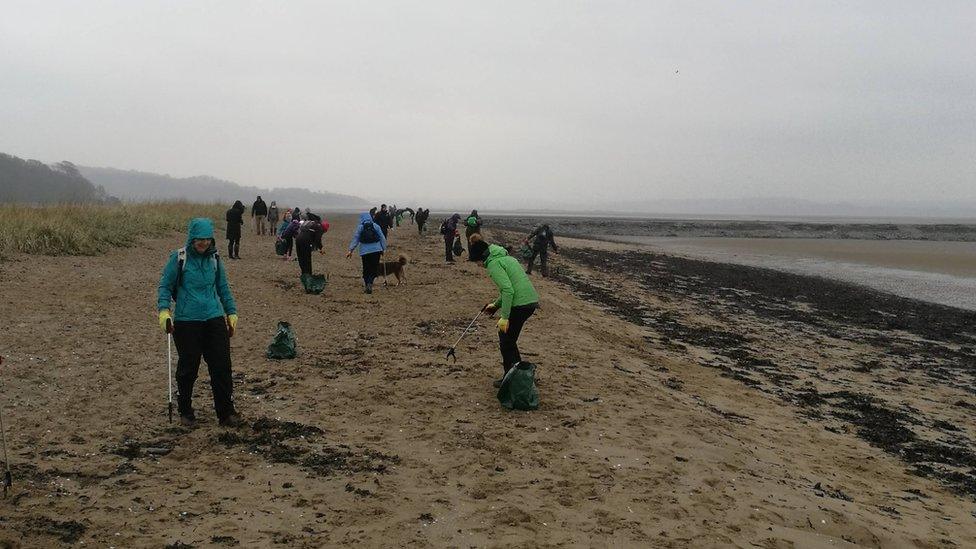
[
  {"x": 283, "y": 345},
  {"x": 313, "y": 284},
  {"x": 518, "y": 391},
  {"x": 281, "y": 247}
]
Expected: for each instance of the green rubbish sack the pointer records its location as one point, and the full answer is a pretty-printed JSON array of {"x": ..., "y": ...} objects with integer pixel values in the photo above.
[
  {"x": 281, "y": 247},
  {"x": 313, "y": 284},
  {"x": 518, "y": 390},
  {"x": 525, "y": 252},
  {"x": 283, "y": 345}
]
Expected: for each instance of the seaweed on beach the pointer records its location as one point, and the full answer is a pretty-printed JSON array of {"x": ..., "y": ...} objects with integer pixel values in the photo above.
[{"x": 926, "y": 339}]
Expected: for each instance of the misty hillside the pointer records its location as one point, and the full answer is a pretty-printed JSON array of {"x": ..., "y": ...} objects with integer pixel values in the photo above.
[
  {"x": 33, "y": 181},
  {"x": 133, "y": 185}
]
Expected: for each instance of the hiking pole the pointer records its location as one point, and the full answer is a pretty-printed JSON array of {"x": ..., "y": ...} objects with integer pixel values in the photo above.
[
  {"x": 450, "y": 353},
  {"x": 8, "y": 479},
  {"x": 169, "y": 364}
]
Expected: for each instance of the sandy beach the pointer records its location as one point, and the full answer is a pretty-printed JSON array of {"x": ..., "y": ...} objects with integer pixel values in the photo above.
[{"x": 683, "y": 405}]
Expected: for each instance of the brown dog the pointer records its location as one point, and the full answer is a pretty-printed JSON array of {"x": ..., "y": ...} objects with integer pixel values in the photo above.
[{"x": 394, "y": 268}]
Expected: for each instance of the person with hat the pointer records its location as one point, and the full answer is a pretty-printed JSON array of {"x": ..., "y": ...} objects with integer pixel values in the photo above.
[
  {"x": 202, "y": 321},
  {"x": 517, "y": 298}
]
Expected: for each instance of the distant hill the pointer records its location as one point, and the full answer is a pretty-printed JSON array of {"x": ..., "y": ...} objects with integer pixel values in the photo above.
[
  {"x": 133, "y": 185},
  {"x": 32, "y": 181}
]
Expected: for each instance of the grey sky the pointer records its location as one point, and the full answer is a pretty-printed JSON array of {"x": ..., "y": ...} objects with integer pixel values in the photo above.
[{"x": 505, "y": 103}]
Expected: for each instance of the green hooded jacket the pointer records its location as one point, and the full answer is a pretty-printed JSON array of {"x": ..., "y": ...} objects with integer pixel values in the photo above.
[
  {"x": 203, "y": 293},
  {"x": 514, "y": 287}
]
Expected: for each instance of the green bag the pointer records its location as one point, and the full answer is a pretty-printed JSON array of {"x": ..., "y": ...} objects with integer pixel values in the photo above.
[
  {"x": 525, "y": 252},
  {"x": 281, "y": 247},
  {"x": 283, "y": 345},
  {"x": 313, "y": 284},
  {"x": 518, "y": 390}
]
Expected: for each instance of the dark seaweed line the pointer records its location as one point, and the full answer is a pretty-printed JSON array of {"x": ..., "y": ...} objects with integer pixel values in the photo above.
[{"x": 878, "y": 425}]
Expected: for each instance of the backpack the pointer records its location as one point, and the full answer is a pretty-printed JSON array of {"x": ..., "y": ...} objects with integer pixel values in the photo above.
[
  {"x": 368, "y": 235},
  {"x": 181, "y": 266},
  {"x": 472, "y": 221}
]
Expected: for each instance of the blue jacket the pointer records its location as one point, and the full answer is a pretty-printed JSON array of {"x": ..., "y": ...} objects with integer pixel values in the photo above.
[
  {"x": 203, "y": 293},
  {"x": 365, "y": 248}
]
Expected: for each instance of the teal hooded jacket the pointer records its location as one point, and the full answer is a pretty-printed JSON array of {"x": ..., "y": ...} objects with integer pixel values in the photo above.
[{"x": 203, "y": 293}]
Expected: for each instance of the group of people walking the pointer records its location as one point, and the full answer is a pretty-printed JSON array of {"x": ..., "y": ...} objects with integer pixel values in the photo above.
[{"x": 197, "y": 309}]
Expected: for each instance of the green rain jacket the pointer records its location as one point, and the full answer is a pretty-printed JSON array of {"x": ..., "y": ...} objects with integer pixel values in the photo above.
[
  {"x": 514, "y": 287},
  {"x": 203, "y": 293}
]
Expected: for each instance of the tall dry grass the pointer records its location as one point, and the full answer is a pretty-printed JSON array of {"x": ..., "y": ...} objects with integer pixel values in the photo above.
[{"x": 93, "y": 229}]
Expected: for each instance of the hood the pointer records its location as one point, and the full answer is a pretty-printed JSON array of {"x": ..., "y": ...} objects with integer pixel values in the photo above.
[
  {"x": 238, "y": 206},
  {"x": 200, "y": 227},
  {"x": 364, "y": 217},
  {"x": 456, "y": 217},
  {"x": 274, "y": 204},
  {"x": 494, "y": 252}
]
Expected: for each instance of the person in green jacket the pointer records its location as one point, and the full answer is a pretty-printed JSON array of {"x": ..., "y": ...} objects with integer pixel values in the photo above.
[
  {"x": 517, "y": 298},
  {"x": 202, "y": 322}
]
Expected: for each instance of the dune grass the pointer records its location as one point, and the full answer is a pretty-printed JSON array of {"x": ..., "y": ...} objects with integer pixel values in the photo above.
[{"x": 93, "y": 229}]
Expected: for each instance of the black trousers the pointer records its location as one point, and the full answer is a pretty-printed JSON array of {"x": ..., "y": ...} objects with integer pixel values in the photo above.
[
  {"x": 234, "y": 247},
  {"x": 543, "y": 255},
  {"x": 448, "y": 250},
  {"x": 420, "y": 228},
  {"x": 371, "y": 266},
  {"x": 304, "y": 251},
  {"x": 290, "y": 242},
  {"x": 508, "y": 341},
  {"x": 207, "y": 339}
]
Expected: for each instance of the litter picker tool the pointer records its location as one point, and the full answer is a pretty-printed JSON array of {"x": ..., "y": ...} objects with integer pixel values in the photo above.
[
  {"x": 8, "y": 479},
  {"x": 169, "y": 364},
  {"x": 450, "y": 353}
]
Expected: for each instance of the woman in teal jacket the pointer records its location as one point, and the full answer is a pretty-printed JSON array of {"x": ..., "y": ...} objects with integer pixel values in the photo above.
[
  {"x": 517, "y": 298},
  {"x": 202, "y": 322}
]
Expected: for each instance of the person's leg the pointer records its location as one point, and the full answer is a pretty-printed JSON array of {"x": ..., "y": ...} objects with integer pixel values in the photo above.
[
  {"x": 216, "y": 351},
  {"x": 237, "y": 247},
  {"x": 187, "y": 337},
  {"x": 448, "y": 253},
  {"x": 304, "y": 251},
  {"x": 230, "y": 248},
  {"x": 535, "y": 252},
  {"x": 372, "y": 266},
  {"x": 544, "y": 262},
  {"x": 508, "y": 341}
]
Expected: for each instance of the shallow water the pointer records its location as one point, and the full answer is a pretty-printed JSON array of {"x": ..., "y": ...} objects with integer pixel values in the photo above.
[{"x": 939, "y": 272}]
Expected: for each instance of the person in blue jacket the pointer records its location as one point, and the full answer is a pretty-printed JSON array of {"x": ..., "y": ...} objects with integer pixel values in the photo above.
[
  {"x": 371, "y": 241},
  {"x": 202, "y": 321}
]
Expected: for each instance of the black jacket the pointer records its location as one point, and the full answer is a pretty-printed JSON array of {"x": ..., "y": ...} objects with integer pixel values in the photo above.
[
  {"x": 310, "y": 232},
  {"x": 383, "y": 219},
  {"x": 235, "y": 218},
  {"x": 259, "y": 208},
  {"x": 543, "y": 237}
]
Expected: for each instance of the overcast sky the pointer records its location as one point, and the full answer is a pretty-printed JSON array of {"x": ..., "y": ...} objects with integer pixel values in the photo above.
[{"x": 505, "y": 103}]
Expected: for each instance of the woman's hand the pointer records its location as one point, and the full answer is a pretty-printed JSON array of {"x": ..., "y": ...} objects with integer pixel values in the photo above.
[{"x": 348, "y": 254}]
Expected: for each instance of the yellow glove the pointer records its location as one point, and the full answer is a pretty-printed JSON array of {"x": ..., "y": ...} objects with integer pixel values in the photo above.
[
  {"x": 231, "y": 325},
  {"x": 164, "y": 319},
  {"x": 503, "y": 325}
]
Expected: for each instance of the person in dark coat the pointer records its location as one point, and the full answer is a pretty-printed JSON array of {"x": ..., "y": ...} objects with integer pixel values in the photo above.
[
  {"x": 308, "y": 236},
  {"x": 384, "y": 220},
  {"x": 472, "y": 225},
  {"x": 259, "y": 211},
  {"x": 541, "y": 238},
  {"x": 421, "y": 219},
  {"x": 450, "y": 232},
  {"x": 235, "y": 218}
]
